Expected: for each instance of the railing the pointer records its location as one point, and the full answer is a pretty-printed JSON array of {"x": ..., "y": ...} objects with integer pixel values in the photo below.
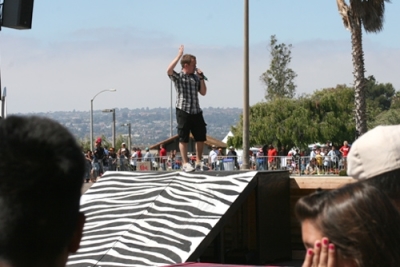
[{"x": 295, "y": 165}]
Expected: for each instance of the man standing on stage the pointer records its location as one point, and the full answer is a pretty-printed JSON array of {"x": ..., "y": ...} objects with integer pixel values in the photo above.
[{"x": 188, "y": 84}]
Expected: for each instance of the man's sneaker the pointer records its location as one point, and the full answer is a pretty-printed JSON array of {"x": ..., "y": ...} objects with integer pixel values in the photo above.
[
  {"x": 187, "y": 167},
  {"x": 201, "y": 167},
  {"x": 198, "y": 167}
]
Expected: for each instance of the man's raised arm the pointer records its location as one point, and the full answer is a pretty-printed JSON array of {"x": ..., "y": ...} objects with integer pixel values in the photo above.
[{"x": 173, "y": 63}]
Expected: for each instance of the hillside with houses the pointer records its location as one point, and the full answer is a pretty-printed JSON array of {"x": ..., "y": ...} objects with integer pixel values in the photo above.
[{"x": 148, "y": 126}]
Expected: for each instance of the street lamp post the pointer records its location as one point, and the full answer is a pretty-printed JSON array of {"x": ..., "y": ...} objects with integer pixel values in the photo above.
[
  {"x": 91, "y": 115},
  {"x": 129, "y": 134},
  {"x": 113, "y": 125}
]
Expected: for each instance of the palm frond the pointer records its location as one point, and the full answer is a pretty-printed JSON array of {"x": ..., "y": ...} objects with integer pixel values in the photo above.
[
  {"x": 344, "y": 11},
  {"x": 370, "y": 12}
]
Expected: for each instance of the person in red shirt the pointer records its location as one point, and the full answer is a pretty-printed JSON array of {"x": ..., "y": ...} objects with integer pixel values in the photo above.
[
  {"x": 272, "y": 156},
  {"x": 139, "y": 154},
  {"x": 344, "y": 150},
  {"x": 163, "y": 157}
]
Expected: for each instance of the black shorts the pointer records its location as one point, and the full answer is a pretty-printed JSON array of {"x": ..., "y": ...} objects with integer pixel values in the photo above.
[{"x": 191, "y": 123}]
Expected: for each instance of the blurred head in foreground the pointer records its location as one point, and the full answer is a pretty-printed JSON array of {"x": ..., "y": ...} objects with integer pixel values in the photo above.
[{"x": 41, "y": 175}]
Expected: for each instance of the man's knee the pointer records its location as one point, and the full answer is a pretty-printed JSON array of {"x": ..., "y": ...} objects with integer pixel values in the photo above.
[{"x": 183, "y": 135}]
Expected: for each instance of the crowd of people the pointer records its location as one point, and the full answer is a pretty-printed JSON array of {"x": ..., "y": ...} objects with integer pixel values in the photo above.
[
  {"x": 356, "y": 225},
  {"x": 103, "y": 159},
  {"x": 326, "y": 159}
]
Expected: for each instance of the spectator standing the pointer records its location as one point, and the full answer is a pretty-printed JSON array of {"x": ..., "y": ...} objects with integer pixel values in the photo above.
[
  {"x": 260, "y": 160},
  {"x": 139, "y": 154},
  {"x": 112, "y": 159},
  {"x": 177, "y": 160},
  {"x": 334, "y": 156},
  {"x": 328, "y": 145},
  {"x": 221, "y": 157},
  {"x": 296, "y": 161},
  {"x": 93, "y": 171},
  {"x": 252, "y": 156},
  {"x": 319, "y": 159},
  {"x": 313, "y": 152},
  {"x": 123, "y": 155},
  {"x": 327, "y": 160},
  {"x": 233, "y": 155},
  {"x": 281, "y": 160},
  {"x": 88, "y": 165},
  {"x": 133, "y": 159},
  {"x": 188, "y": 84},
  {"x": 212, "y": 157},
  {"x": 345, "y": 149},
  {"x": 148, "y": 156},
  {"x": 105, "y": 160},
  {"x": 98, "y": 156},
  {"x": 272, "y": 154},
  {"x": 163, "y": 157}
]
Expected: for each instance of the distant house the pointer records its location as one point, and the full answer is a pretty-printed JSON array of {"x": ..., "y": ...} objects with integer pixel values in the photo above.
[
  {"x": 172, "y": 143},
  {"x": 239, "y": 150},
  {"x": 230, "y": 134}
]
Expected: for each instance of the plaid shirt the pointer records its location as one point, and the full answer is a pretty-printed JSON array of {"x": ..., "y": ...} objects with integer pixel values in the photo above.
[{"x": 187, "y": 88}]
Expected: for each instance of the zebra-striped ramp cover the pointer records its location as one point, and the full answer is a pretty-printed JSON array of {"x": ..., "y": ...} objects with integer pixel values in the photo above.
[{"x": 154, "y": 218}]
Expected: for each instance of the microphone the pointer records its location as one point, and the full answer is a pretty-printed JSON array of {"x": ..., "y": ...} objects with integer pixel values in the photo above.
[{"x": 203, "y": 76}]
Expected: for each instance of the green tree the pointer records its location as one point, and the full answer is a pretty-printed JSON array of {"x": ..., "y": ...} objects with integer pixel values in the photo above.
[
  {"x": 325, "y": 115},
  {"x": 333, "y": 114},
  {"x": 395, "y": 101},
  {"x": 388, "y": 117},
  {"x": 279, "y": 78},
  {"x": 85, "y": 144},
  {"x": 378, "y": 93},
  {"x": 357, "y": 15},
  {"x": 379, "y": 98}
]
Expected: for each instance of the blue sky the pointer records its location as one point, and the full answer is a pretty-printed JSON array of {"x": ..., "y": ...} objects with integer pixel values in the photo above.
[{"x": 77, "y": 48}]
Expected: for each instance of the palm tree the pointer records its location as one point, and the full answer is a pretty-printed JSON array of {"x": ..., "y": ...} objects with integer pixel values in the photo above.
[{"x": 370, "y": 15}]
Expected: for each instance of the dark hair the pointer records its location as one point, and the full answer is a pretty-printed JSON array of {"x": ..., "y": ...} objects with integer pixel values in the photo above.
[
  {"x": 41, "y": 176},
  {"x": 389, "y": 183},
  {"x": 359, "y": 219}
]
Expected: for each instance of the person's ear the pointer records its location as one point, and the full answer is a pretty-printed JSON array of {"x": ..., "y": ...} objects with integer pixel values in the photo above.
[{"x": 76, "y": 238}]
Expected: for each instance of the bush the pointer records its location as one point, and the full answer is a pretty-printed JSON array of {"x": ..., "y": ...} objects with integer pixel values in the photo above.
[{"x": 343, "y": 173}]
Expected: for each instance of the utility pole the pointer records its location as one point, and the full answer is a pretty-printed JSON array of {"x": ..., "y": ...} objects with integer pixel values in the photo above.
[{"x": 245, "y": 155}]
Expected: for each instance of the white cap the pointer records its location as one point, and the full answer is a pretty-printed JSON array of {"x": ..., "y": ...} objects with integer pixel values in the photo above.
[{"x": 375, "y": 152}]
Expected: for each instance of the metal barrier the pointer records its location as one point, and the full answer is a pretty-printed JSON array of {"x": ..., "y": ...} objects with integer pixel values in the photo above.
[{"x": 303, "y": 165}]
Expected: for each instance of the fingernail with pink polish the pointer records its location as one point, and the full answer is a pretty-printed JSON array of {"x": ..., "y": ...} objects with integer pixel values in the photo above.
[
  {"x": 325, "y": 241},
  {"x": 331, "y": 246},
  {"x": 310, "y": 252}
]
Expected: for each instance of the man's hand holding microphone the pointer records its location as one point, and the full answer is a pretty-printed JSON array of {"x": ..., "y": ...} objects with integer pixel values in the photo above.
[{"x": 201, "y": 74}]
